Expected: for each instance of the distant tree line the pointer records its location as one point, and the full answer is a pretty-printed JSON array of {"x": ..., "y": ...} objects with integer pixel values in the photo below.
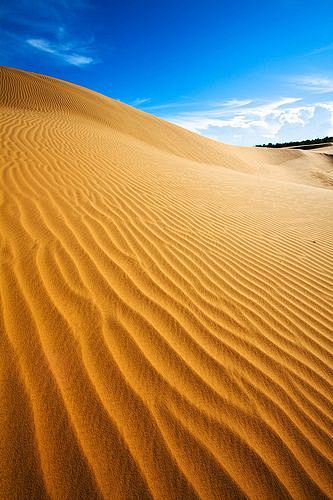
[{"x": 295, "y": 143}]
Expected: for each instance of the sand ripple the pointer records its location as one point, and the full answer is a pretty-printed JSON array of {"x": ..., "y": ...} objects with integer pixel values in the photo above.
[{"x": 166, "y": 307}]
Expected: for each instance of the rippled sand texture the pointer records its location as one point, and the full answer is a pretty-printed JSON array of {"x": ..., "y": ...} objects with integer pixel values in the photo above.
[{"x": 166, "y": 307}]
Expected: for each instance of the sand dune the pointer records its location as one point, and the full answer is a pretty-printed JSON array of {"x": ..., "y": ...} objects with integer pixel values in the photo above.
[
  {"x": 166, "y": 307},
  {"x": 325, "y": 150}
]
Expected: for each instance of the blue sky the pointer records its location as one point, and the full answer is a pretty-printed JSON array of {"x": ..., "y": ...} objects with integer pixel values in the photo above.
[{"x": 243, "y": 72}]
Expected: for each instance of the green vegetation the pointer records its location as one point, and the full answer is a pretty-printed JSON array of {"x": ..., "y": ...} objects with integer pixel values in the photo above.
[{"x": 308, "y": 142}]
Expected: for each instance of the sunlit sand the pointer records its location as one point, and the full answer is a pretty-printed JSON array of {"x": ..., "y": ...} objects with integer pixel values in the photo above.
[{"x": 166, "y": 306}]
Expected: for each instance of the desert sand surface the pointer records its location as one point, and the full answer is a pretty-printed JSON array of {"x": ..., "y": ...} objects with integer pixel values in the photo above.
[
  {"x": 166, "y": 307},
  {"x": 326, "y": 150}
]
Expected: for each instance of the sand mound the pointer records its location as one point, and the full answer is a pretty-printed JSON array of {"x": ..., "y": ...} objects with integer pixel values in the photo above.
[{"x": 166, "y": 307}]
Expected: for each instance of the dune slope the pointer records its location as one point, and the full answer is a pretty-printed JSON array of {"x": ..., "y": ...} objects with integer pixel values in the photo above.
[{"x": 166, "y": 307}]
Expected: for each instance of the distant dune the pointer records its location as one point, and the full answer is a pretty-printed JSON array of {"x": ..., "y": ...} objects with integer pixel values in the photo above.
[
  {"x": 326, "y": 150},
  {"x": 166, "y": 307}
]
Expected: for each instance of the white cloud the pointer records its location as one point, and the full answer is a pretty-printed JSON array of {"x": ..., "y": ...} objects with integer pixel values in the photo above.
[
  {"x": 328, "y": 106},
  {"x": 233, "y": 116},
  {"x": 63, "y": 51},
  {"x": 41, "y": 44},
  {"x": 78, "y": 60},
  {"x": 249, "y": 121},
  {"x": 190, "y": 104},
  {"x": 140, "y": 100},
  {"x": 46, "y": 29},
  {"x": 314, "y": 84},
  {"x": 236, "y": 103},
  {"x": 254, "y": 122}
]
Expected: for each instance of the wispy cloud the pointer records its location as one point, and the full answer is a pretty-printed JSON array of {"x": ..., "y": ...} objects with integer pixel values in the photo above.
[
  {"x": 171, "y": 105},
  {"x": 234, "y": 103},
  {"x": 40, "y": 44},
  {"x": 140, "y": 100},
  {"x": 320, "y": 50},
  {"x": 78, "y": 60},
  {"x": 196, "y": 103},
  {"x": 63, "y": 51},
  {"x": 53, "y": 32},
  {"x": 314, "y": 84}
]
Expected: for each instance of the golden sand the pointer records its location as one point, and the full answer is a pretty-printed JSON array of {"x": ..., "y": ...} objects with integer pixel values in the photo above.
[{"x": 166, "y": 326}]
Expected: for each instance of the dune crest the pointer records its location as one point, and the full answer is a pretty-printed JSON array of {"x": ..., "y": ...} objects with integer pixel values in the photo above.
[{"x": 166, "y": 306}]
